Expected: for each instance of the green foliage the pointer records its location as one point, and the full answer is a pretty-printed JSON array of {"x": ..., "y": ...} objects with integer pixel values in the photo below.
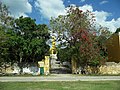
[
  {"x": 64, "y": 54},
  {"x": 2, "y": 36},
  {"x": 29, "y": 40},
  {"x": 4, "y": 24}
]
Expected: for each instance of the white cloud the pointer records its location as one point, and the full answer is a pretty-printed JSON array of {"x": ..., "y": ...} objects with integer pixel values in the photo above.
[
  {"x": 18, "y": 7},
  {"x": 50, "y": 8},
  {"x": 82, "y": 0},
  {"x": 101, "y": 18},
  {"x": 112, "y": 25},
  {"x": 86, "y": 7},
  {"x": 103, "y": 2}
]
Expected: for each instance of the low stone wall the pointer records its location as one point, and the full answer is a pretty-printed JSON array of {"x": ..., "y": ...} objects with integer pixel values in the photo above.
[
  {"x": 31, "y": 69},
  {"x": 110, "y": 68}
]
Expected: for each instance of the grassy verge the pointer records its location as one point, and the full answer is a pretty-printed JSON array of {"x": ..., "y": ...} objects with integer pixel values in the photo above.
[{"x": 78, "y": 85}]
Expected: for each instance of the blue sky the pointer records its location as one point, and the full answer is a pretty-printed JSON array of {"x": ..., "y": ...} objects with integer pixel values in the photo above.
[{"x": 107, "y": 12}]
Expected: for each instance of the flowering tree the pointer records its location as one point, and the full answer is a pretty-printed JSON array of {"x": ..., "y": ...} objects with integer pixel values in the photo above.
[{"x": 76, "y": 32}]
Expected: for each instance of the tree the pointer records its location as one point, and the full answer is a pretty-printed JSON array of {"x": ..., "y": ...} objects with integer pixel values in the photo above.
[
  {"x": 76, "y": 31},
  {"x": 2, "y": 45},
  {"x": 5, "y": 20},
  {"x": 64, "y": 54},
  {"x": 21, "y": 40},
  {"x": 28, "y": 41},
  {"x": 104, "y": 34}
]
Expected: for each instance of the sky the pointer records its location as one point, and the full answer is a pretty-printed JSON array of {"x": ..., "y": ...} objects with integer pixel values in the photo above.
[{"x": 107, "y": 12}]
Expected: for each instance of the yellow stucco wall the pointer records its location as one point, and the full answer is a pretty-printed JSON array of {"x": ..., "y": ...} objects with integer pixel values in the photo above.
[
  {"x": 47, "y": 65},
  {"x": 113, "y": 47}
]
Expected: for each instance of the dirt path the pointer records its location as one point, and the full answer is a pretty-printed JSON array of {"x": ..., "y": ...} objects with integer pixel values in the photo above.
[{"x": 58, "y": 77}]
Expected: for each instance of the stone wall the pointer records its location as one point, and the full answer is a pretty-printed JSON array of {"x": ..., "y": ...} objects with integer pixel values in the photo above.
[
  {"x": 110, "y": 68},
  {"x": 15, "y": 69}
]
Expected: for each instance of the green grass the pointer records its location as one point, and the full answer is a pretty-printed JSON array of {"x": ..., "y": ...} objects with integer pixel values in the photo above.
[{"x": 77, "y": 85}]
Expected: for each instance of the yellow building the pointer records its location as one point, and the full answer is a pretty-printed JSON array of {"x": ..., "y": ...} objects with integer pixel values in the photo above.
[
  {"x": 113, "y": 47},
  {"x": 47, "y": 65}
]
